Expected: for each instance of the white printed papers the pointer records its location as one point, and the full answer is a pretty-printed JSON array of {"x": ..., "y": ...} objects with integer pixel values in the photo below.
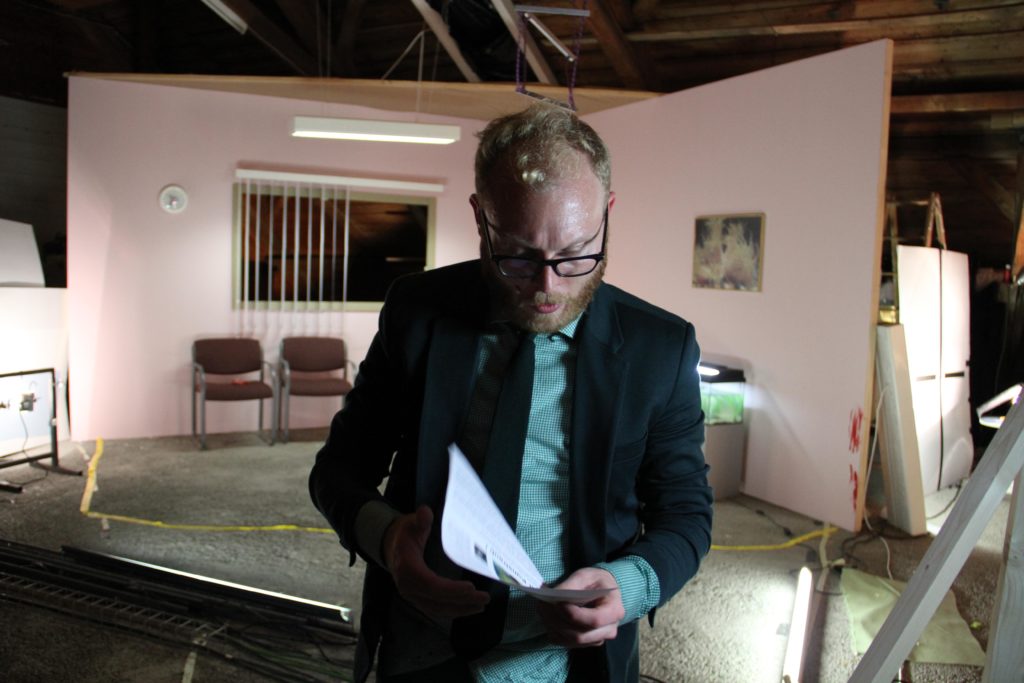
[{"x": 475, "y": 536}]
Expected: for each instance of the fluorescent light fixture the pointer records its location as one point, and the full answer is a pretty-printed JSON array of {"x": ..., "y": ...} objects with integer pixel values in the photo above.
[
  {"x": 377, "y": 131},
  {"x": 794, "y": 659},
  {"x": 227, "y": 14},
  {"x": 705, "y": 371}
]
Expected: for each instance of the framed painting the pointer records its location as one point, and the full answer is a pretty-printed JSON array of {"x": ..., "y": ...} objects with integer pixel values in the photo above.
[{"x": 728, "y": 251}]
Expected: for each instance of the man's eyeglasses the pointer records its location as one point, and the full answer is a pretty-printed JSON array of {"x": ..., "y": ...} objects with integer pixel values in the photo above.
[{"x": 523, "y": 267}]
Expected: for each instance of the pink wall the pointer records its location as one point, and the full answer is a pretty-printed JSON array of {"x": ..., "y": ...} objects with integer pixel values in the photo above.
[
  {"x": 144, "y": 284},
  {"x": 805, "y": 143}
]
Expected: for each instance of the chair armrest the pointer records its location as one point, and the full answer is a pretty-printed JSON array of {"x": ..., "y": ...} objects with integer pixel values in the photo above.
[
  {"x": 198, "y": 373},
  {"x": 286, "y": 372},
  {"x": 273, "y": 373}
]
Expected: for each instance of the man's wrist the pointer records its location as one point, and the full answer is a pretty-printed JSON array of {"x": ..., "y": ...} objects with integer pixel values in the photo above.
[
  {"x": 638, "y": 585},
  {"x": 372, "y": 523}
]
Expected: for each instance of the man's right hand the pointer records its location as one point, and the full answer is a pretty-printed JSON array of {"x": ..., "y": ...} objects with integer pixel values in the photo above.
[{"x": 402, "y": 551}]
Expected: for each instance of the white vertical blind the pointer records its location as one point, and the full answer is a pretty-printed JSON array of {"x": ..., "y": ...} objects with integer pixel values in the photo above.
[{"x": 288, "y": 221}]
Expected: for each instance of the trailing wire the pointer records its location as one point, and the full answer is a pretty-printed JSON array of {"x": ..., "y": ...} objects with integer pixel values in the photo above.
[
  {"x": 959, "y": 488},
  {"x": 871, "y": 457},
  {"x": 417, "y": 37}
]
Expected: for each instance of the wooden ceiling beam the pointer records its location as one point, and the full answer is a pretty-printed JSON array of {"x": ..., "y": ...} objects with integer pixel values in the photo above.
[
  {"x": 302, "y": 17},
  {"x": 272, "y": 36},
  {"x": 762, "y": 11},
  {"x": 645, "y": 10},
  {"x": 534, "y": 56},
  {"x": 615, "y": 46},
  {"x": 436, "y": 23},
  {"x": 794, "y": 23},
  {"x": 958, "y": 103},
  {"x": 345, "y": 45},
  {"x": 989, "y": 187}
]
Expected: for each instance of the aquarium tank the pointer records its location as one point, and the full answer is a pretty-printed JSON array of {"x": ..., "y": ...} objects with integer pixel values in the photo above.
[{"x": 721, "y": 393}]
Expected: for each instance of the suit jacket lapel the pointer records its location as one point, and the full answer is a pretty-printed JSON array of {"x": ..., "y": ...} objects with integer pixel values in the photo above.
[
  {"x": 449, "y": 385},
  {"x": 600, "y": 371}
]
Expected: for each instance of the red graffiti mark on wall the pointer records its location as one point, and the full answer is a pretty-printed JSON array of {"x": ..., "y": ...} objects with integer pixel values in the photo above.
[
  {"x": 855, "y": 480},
  {"x": 856, "y": 421}
]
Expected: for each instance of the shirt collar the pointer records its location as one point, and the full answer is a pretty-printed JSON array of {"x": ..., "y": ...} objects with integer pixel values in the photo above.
[{"x": 568, "y": 330}]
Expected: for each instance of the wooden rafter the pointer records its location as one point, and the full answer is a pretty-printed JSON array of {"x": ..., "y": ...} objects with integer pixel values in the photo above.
[
  {"x": 988, "y": 186},
  {"x": 645, "y": 9},
  {"x": 436, "y": 23},
  {"x": 534, "y": 57},
  {"x": 615, "y": 46},
  {"x": 961, "y": 103},
  {"x": 790, "y": 22},
  {"x": 314, "y": 33},
  {"x": 345, "y": 45},
  {"x": 271, "y": 35},
  {"x": 302, "y": 17}
]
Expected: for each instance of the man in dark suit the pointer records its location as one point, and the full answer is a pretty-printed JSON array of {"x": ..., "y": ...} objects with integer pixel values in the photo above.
[{"x": 578, "y": 404}]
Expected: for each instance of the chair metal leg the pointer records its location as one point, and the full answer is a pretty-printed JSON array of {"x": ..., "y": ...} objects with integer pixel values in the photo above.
[
  {"x": 202, "y": 419},
  {"x": 286, "y": 401},
  {"x": 275, "y": 418}
]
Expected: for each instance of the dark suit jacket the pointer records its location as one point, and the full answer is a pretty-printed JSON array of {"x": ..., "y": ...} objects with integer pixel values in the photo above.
[{"x": 638, "y": 481}]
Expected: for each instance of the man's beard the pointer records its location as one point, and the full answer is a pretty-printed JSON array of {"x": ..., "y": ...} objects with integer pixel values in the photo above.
[{"x": 522, "y": 314}]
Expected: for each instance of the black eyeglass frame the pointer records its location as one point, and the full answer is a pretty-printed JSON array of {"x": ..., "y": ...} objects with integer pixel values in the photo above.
[{"x": 540, "y": 264}]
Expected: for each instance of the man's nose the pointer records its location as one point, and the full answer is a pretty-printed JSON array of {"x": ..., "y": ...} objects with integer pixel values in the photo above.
[{"x": 547, "y": 279}]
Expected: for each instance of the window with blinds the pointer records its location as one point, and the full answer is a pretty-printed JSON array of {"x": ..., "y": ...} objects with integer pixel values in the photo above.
[{"x": 310, "y": 246}]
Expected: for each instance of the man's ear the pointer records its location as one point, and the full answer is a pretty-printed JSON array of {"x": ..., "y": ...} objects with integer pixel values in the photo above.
[{"x": 611, "y": 200}]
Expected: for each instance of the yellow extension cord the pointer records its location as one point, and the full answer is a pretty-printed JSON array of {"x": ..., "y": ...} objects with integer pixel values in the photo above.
[{"x": 90, "y": 486}]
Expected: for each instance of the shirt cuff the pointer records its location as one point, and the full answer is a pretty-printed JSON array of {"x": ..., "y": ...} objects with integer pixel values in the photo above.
[
  {"x": 372, "y": 520},
  {"x": 638, "y": 585}
]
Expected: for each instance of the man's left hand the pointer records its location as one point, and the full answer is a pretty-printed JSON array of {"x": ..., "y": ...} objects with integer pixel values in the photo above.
[{"x": 587, "y": 625}]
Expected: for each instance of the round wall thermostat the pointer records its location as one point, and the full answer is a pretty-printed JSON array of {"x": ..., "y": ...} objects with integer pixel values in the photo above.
[{"x": 173, "y": 199}]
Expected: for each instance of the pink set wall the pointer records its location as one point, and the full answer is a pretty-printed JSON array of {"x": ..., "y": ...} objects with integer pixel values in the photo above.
[
  {"x": 804, "y": 143},
  {"x": 144, "y": 283}
]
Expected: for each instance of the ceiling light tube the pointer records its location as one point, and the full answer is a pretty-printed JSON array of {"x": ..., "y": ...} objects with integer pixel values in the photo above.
[
  {"x": 377, "y": 131},
  {"x": 227, "y": 14}
]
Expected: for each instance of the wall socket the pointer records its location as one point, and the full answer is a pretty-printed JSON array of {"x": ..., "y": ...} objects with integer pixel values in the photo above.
[{"x": 28, "y": 402}]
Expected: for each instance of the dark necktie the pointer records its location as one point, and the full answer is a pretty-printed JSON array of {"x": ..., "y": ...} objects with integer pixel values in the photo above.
[{"x": 503, "y": 463}]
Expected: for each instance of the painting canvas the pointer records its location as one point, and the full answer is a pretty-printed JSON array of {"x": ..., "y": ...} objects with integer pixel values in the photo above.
[{"x": 728, "y": 251}]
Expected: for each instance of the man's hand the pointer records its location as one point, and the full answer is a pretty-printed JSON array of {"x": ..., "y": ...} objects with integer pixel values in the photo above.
[
  {"x": 588, "y": 625},
  {"x": 402, "y": 551}
]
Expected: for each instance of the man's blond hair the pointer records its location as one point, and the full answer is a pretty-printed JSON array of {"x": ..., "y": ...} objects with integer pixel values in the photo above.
[{"x": 539, "y": 147}]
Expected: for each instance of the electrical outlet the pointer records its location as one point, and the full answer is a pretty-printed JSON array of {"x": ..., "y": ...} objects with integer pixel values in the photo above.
[
  {"x": 5, "y": 405},
  {"x": 28, "y": 402}
]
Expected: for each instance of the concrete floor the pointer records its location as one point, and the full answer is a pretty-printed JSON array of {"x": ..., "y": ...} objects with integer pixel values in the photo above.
[{"x": 729, "y": 624}]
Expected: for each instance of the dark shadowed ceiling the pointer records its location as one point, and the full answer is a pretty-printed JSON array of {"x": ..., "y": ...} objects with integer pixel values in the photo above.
[{"x": 958, "y": 81}]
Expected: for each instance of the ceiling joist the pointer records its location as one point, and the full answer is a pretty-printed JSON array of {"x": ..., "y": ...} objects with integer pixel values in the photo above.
[
  {"x": 988, "y": 186},
  {"x": 1009, "y": 101},
  {"x": 436, "y": 23},
  {"x": 615, "y": 46},
  {"x": 271, "y": 35},
  {"x": 534, "y": 57}
]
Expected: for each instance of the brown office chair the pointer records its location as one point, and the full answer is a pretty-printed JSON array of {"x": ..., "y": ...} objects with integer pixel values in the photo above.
[
  {"x": 231, "y": 357},
  {"x": 317, "y": 361}
]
